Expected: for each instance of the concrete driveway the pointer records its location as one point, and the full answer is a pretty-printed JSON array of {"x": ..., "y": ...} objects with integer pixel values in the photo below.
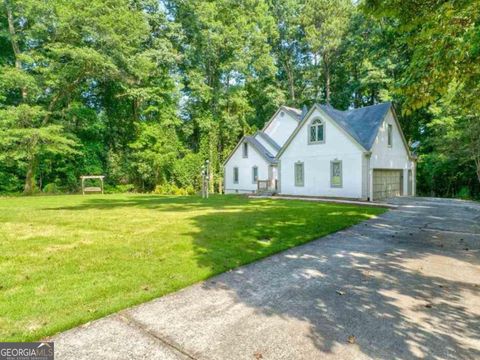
[{"x": 403, "y": 286}]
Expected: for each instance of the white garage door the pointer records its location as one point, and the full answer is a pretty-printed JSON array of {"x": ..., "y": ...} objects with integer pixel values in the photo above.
[{"x": 387, "y": 183}]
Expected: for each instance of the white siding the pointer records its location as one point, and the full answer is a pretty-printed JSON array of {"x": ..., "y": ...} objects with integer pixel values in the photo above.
[
  {"x": 245, "y": 165},
  {"x": 394, "y": 157},
  {"x": 281, "y": 127},
  {"x": 317, "y": 158}
]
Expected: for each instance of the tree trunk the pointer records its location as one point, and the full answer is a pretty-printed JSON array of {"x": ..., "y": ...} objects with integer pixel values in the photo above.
[
  {"x": 291, "y": 83},
  {"x": 30, "y": 177},
  {"x": 13, "y": 41},
  {"x": 477, "y": 165},
  {"x": 327, "y": 78}
]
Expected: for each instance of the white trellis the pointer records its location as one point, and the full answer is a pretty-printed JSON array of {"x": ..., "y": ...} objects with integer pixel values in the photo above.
[{"x": 92, "y": 188}]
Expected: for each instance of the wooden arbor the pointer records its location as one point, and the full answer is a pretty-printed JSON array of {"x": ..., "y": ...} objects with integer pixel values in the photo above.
[{"x": 92, "y": 188}]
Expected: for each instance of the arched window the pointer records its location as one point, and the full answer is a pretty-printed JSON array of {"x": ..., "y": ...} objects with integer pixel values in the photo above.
[{"x": 317, "y": 132}]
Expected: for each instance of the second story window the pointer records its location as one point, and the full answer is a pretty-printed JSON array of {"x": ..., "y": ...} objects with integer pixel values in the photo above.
[
  {"x": 245, "y": 150},
  {"x": 389, "y": 134},
  {"x": 235, "y": 175},
  {"x": 317, "y": 132}
]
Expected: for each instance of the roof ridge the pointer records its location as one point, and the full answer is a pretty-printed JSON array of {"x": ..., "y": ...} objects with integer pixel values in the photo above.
[{"x": 269, "y": 139}]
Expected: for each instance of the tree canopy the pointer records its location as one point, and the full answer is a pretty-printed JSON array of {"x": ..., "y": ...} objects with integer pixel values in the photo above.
[{"x": 144, "y": 91}]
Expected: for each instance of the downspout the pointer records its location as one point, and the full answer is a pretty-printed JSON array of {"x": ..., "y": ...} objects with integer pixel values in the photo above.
[{"x": 368, "y": 156}]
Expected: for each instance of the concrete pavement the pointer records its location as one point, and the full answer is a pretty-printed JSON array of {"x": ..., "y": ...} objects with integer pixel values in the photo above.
[{"x": 405, "y": 285}]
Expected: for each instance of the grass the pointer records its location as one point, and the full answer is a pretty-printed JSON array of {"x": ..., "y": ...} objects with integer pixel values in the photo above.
[{"x": 66, "y": 260}]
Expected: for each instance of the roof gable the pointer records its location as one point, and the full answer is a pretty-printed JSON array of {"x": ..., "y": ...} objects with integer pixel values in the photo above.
[
  {"x": 267, "y": 155},
  {"x": 362, "y": 123},
  {"x": 294, "y": 113}
]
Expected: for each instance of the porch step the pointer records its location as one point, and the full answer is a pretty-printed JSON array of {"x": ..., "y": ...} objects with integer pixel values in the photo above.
[{"x": 265, "y": 192}]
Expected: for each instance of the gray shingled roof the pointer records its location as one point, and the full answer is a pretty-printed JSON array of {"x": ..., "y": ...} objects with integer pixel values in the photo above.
[
  {"x": 362, "y": 123},
  {"x": 260, "y": 148},
  {"x": 296, "y": 113},
  {"x": 269, "y": 139}
]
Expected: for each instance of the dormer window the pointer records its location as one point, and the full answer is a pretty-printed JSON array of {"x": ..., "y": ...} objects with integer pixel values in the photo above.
[
  {"x": 245, "y": 150},
  {"x": 317, "y": 132},
  {"x": 389, "y": 134}
]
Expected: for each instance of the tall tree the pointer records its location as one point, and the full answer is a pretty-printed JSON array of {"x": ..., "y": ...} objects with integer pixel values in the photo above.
[
  {"x": 443, "y": 37},
  {"x": 226, "y": 58},
  {"x": 325, "y": 23}
]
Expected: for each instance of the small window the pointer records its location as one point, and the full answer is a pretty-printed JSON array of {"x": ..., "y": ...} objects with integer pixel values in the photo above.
[
  {"x": 317, "y": 132},
  {"x": 235, "y": 175},
  {"x": 245, "y": 150},
  {"x": 389, "y": 134},
  {"x": 336, "y": 173},
  {"x": 299, "y": 174},
  {"x": 254, "y": 174}
]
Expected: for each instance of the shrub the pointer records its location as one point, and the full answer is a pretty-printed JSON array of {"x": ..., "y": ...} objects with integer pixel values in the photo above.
[
  {"x": 51, "y": 188},
  {"x": 172, "y": 189},
  {"x": 464, "y": 193},
  {"x": 119, "y": 189}
]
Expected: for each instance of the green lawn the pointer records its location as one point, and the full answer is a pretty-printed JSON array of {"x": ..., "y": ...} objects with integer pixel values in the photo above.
[{"x": 66, "y": 260}]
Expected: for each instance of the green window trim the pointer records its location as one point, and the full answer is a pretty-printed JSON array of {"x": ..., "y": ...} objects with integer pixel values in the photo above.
[
  {"x": 235, "y": 175},
  {"x": 336, "y": 174},
  {"x": 316, "y": 132},
  {"x": 254, "y": 174},
  {"x": 299, "y": 173}
]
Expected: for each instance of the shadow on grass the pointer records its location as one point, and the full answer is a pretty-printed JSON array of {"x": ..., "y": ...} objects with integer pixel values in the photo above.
[{"x": 393, "y": 307}]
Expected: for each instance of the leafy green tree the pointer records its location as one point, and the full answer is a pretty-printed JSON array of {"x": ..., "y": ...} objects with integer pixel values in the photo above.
[
  {"x": 325, "y": 23},
  {"x": 444, "y": 68}
]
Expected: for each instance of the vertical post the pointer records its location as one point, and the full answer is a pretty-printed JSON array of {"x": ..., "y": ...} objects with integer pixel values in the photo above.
[
  {"x": 370, "y": 184},
  {"x": 101, "y": 179},
  {"x": 203, "y": 181},
  {"x": 414, "y": 178},
  {"x": 83, "y": 185},
  {"x": 207, "y": 178}
]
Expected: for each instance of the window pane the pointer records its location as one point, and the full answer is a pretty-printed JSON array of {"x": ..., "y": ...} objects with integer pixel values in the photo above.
[
  {"x": 313, "y": 134},
  {"x": 299, "y": 174},
  {"x": 336, "y": 176},
  {"x": 389, "y": 134},
  {"x": 320, "y": 133},
  {"x": 235, "y": 175}
]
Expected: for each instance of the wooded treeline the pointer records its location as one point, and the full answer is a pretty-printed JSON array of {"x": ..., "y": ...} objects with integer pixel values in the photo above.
[{"x": 143, "y": 91}]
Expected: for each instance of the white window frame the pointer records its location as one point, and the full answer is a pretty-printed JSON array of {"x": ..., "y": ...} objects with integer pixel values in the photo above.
[
  {"x": 254, "y": 169},
  {"x": 245, "y": 150},
  {"x": 390, "y": 135},
  {"x": 295, "y": 175},
  {"x": 236, "y": 175},
  {"x": 316, "y": 123},
  {"x": 332, "y": 164}
]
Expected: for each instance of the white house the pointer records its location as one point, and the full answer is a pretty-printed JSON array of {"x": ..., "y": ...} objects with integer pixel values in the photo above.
[{"x": 359, "y": 153}]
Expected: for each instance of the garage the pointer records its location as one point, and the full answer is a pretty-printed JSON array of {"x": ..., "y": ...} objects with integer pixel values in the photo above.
[{"x": 387, "y": 183}]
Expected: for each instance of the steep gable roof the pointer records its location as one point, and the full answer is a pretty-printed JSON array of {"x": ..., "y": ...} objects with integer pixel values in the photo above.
[
  {"x": 267, "y": 155},
  {"x": 296, "y": 113},
  {"x": 269, "y": 140},
  {"x": 362, "y": 123},
  {"x": 260, "y": 148}
]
